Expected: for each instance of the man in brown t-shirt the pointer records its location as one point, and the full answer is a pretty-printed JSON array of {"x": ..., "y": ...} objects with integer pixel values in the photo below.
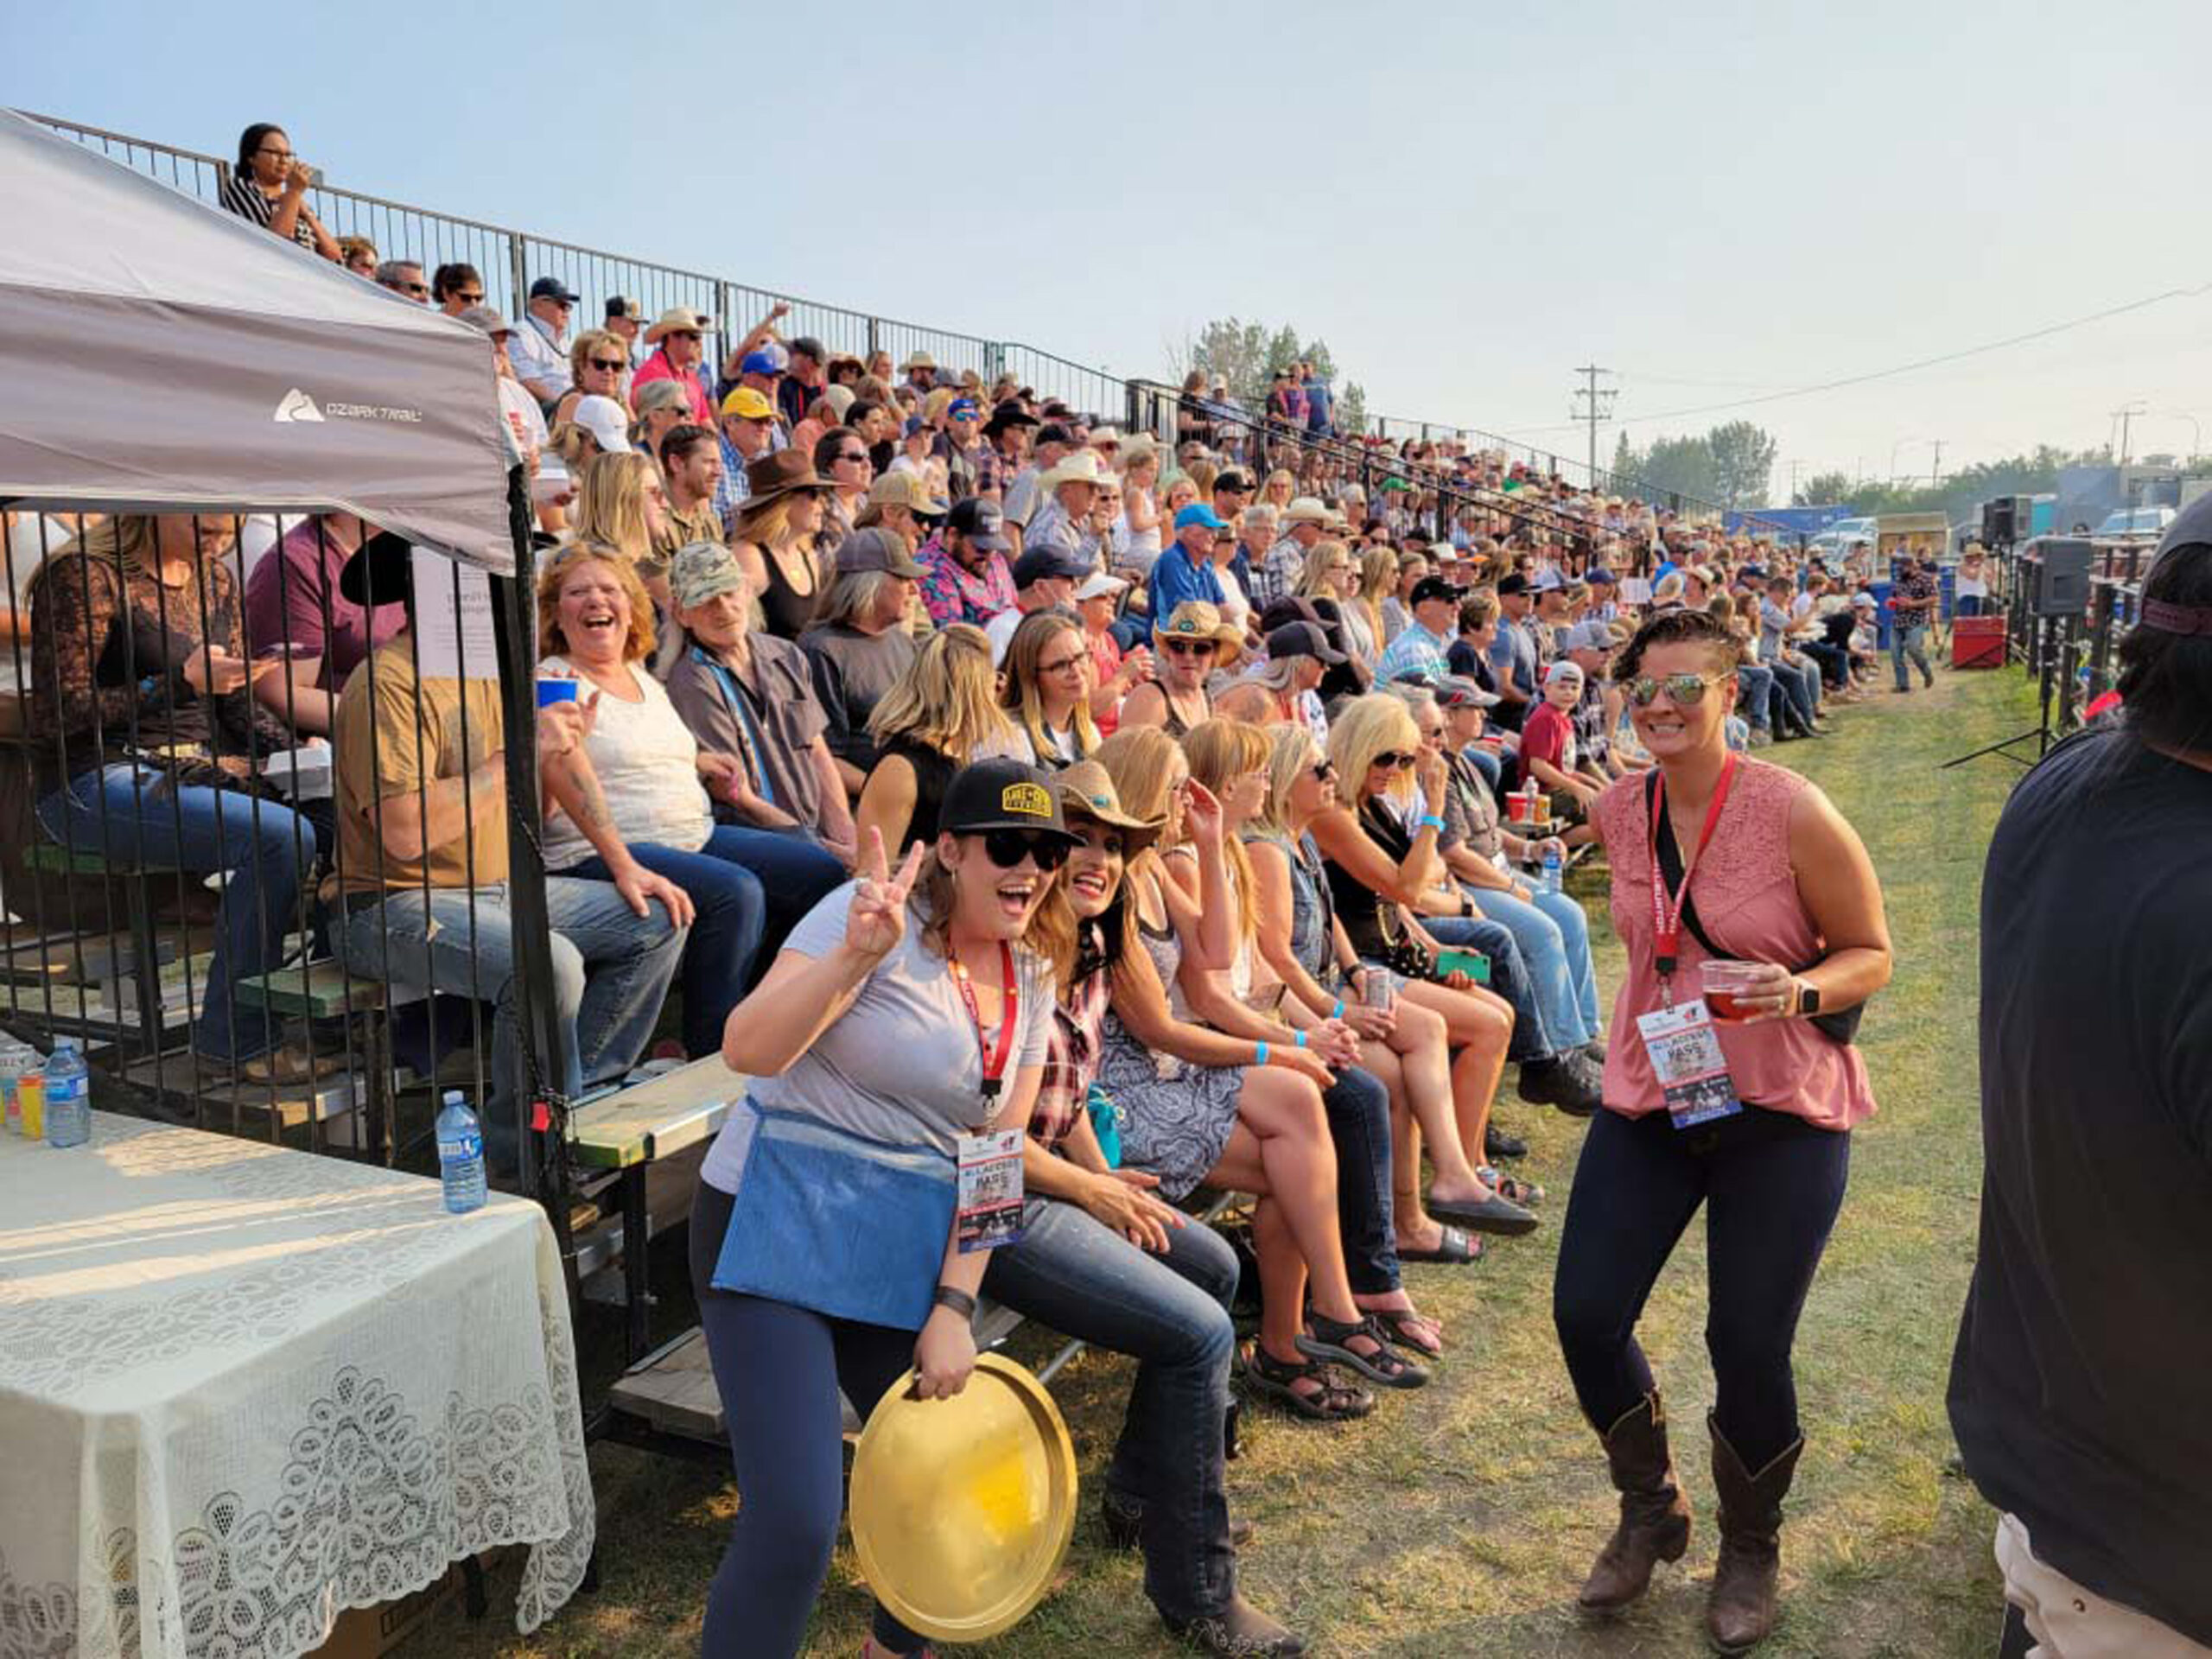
[{"x": 423, "y": 823}]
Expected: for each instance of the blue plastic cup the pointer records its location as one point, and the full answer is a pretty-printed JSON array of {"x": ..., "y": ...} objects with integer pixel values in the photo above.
[{"x": 550, "y": 691}]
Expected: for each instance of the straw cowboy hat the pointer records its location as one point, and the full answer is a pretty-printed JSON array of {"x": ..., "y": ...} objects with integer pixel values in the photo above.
[
  {"x": 917, "y": 360},
  {"x": 1076, "y": 466},
  {"x": 1086, "y": 791},
  {"x": 678, "y": 318},
  {"x": 1198, "y": 619}
]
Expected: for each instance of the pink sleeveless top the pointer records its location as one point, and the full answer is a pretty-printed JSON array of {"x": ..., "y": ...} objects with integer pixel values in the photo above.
[{"x": 1747, "y": 901}]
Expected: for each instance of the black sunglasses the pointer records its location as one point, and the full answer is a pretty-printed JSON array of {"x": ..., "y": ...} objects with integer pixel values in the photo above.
[
  {"x": 1191, "y": 647},
  {"x": 1324, "y": 769},
  {"x": 1008, "y": 848},
  {"x": 612, "y": 365},
  {"x": 1394, "y": 760}
]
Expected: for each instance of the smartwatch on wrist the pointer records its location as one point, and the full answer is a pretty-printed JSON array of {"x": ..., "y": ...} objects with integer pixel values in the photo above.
[
  {"x": 1809, "y": 998},
  {"x": 958, "y": 1301}
]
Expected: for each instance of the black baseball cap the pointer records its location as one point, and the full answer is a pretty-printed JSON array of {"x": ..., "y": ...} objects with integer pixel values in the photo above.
[
  {"x": 1001, "y": 794},
  {"x": 552, "y": 288},
  {"x": 1430, "y": 587},
  {"x": 1053, "y": 432},
  {"x": 807, "y": 344},
  {"x": 981, "y": 521},
  {"x": 1043, "y": 563},
  {"x": 1302, "y": 639},
  {"x": 1233, "y": 479},
  {"x": 1511, "y": 583}
]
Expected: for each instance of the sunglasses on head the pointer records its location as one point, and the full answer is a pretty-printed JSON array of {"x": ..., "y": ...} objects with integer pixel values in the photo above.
[
  {"x": 1008, "y": 848},
  {"x": 1683, "y": 690},
  {"x": 1394, "y": 760}
]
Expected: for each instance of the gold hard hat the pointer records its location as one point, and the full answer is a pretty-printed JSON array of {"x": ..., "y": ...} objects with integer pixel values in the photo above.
[{"x": 962, "y": 1509}]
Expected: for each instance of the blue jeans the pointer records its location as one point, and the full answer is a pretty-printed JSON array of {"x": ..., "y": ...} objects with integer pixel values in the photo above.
[
  {"x": 611, "y": 970},
  {"x": 1834, "y": 662},
  {"x": 779, "y": 1369},
  {"x": 719, "y": 959},
  {"x": 131, "y": 813},
  {"x": 1533, "y": 1036},
  {"x": 1170, "y": 1313},
  {"x": 1755, "y": 691},
  {"x": 795, "y": 874},
  {"x": 1357, "y": 1108},
  {"x": 1969, "y": 605},
  {"x": 1554, "y": 935},
  {"x": 1769, "y": 1203},
  {"x": 1910, "y": 640},
  {"x": 1801, "y": 684}
]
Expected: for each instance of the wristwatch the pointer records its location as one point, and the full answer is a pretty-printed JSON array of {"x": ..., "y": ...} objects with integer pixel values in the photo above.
[
  {"x": 958, "y": 1301},
  {"x": 1808, "y": 999}
]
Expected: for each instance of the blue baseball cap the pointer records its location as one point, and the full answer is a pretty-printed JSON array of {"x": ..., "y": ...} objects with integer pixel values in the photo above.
[
  {"x": 960, "y": 406},
  {"x": 1600, "y": 578},
  {"x": 1199, "y": 514},
  {"x": 760, "y": 363}
]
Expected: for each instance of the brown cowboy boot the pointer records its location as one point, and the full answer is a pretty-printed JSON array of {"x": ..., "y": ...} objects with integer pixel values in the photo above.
[
  {"x": 1742, "y": 1608},
  {"x": 1654, "y": 1524}
]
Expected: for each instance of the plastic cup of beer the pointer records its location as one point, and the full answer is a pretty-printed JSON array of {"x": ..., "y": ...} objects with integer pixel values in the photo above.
[{"x": 1725, "y": 984}]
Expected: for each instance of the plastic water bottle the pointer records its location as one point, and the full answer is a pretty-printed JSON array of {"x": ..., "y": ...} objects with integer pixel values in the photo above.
[
  {"x": 68, "y": 1096},
  {"x": 1554, "y": 869},
  {"x": 460, "y": 1154}
]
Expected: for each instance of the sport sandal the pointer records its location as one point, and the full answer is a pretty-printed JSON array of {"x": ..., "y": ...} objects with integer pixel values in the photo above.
[
  {"x": 1331, "y": 1340},
  {"x": 1276, "y": 1380}
]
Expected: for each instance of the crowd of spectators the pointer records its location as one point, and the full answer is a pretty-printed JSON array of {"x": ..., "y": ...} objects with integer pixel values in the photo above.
[{"x": 1356, "y": 694}]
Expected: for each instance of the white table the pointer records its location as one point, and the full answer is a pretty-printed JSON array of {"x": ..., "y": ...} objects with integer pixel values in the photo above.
[{"x": 243, "y": 1389}]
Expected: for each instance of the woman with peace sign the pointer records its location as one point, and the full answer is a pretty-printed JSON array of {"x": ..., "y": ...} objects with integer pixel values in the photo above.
[{"x": 904, "y": 1019}]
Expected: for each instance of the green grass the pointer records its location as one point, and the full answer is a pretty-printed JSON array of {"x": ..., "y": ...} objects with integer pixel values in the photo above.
[{"x": 1458, "y": 1520}]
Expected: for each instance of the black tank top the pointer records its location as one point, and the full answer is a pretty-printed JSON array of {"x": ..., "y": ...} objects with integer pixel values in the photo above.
[
  {"x": 933, "y": 770},
  {"x": 1360, "y": 907},
  {"x": 785, "y": 611}
]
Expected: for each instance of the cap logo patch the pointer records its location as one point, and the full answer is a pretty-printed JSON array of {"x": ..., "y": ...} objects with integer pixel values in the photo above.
[{"x": 1030, "y": 798}]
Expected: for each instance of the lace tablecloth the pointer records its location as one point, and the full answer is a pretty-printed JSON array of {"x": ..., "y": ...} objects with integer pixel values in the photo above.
[{"x": 243, "y": 1389}]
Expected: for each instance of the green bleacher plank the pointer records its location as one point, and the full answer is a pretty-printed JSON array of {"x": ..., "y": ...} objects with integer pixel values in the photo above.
[
  {"x": 632, "y": 1126},
  {"x": 319, "y": 991}
]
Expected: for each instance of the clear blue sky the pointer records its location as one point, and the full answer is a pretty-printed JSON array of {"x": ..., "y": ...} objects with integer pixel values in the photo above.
[{"x": 1715, "y": 199}]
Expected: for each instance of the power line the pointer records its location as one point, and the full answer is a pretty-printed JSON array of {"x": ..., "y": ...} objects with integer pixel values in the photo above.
[{"x": 1902, "y": 368}]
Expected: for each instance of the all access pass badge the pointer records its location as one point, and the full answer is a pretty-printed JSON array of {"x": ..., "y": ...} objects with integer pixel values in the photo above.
[{"x": 1687, "y": 1059}]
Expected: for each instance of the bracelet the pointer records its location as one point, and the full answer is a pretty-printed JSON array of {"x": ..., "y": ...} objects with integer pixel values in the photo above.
[
  {"x": 1338, "y": 1012},
  {"x": 1259, "y": 1053},
  {"x": 1430, "y": 821},
  {"x": 1298, "y": 1039},
  {"x": 958, "y": 1301}
]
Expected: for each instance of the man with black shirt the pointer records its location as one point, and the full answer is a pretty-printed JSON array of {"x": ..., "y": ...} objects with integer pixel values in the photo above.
[{"x": 2082, "y": 1386}]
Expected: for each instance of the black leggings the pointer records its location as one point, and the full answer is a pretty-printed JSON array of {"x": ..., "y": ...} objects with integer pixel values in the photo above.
[{"x": 1770, "y": 1198}]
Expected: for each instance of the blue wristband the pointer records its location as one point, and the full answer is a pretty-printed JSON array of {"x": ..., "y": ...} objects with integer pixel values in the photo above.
[
  {"x": 1338, "y": 1012},
  {"x": 1430, "y": 821},
  {"x": 1259, "y": 1053},
  {"x": 1298, "y": 1038}
]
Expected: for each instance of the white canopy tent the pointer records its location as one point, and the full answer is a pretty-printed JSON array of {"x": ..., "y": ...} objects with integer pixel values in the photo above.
[{"x": 157, "y": 353}]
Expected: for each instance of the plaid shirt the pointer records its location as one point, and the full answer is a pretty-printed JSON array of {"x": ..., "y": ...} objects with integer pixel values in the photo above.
[
  {"x": 1071, "y": 1060},
  {"x": 951, "y": 593},
  {"x": 1276, "y": 574},
  {"x": 1914, "y": 599}
]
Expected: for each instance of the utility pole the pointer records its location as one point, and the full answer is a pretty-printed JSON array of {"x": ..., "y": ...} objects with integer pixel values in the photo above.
[
  {"x": 1598, "y": 405},
  {"x": 2126, "y": 416},
  {"x": 1935, "y": 468},
  {"x": 1796, "y": 467}
]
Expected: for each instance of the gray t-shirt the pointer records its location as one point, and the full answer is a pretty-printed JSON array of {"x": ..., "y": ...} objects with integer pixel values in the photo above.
[{"x": 901, "y": 1065}]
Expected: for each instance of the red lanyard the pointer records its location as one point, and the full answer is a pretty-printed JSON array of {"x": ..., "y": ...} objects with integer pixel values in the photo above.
[
  {"x": 994, "y": 1065},
  {"x": 1666, "y": 907}
]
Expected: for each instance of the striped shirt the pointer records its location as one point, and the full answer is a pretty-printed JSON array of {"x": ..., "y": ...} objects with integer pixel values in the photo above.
[{"x": 242, "y": 196}]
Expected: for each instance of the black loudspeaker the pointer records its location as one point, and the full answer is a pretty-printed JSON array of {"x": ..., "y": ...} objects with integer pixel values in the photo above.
[
  {"x": 1998, "y": 522},
  {"x": 2062, "y": 575}
]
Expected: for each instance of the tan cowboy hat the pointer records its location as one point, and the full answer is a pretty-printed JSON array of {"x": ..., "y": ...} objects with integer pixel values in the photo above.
[
  {"x": 917, "y": 360},
  {"x": 1086, "y": 791},
  {"x": 1076, "y": 466},
  {"x": 678, "y": 318},
  {"x": 1198, "y": 619},
  {"x": 1307, "y": 510}
]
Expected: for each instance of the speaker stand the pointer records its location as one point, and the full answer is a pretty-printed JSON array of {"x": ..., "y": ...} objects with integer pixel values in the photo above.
[{"x": 2054, "y": 654}]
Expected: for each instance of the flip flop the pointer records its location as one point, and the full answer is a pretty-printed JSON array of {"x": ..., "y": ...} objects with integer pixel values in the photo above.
[{"x": 1454, "y": 1249}]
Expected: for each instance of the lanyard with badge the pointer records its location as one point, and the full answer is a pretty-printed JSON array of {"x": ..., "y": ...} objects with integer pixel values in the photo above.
[
  {"x": 990, "y": 1212},
  {"x": 1685, "y": 1050}
]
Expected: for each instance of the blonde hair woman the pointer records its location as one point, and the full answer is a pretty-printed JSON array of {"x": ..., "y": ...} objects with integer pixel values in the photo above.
[
  {"x": 1306, "y": 948},
  {"x": 1048, "y": 687},
  {"x": 1279, "y": 489},
  {"x": 1378, "y": 581},
  {"x": 1233, "y": 1109},
  {"x": 620, "y": 501},
  {"x": 1138, "y": 547},
  {"x": 1378, "y": 870},
  {"x": 941, "y": 714},
  {"x": 601, "y": 365}
]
